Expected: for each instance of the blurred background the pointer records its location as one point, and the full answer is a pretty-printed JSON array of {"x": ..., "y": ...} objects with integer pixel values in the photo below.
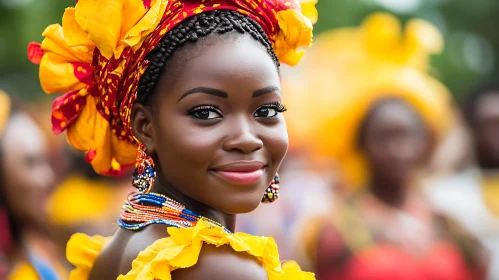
[
  {"x": 469, "y": 28},
  {"x": 393, "y": 168}
]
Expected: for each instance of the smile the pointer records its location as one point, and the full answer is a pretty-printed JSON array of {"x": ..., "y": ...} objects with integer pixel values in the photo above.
[{"x": 244, "y": 173}]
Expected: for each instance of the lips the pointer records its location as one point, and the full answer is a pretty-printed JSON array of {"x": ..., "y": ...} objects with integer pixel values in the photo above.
[{"x": 243, "y": 172}]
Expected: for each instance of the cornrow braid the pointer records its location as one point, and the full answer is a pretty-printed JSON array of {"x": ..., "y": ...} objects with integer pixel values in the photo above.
[{"x": 190, "y": 30}]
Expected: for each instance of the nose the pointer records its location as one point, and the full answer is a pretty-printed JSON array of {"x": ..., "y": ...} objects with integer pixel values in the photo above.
[
  {"x": 403, "y": 152},
  {"x": 242, "y": 137}
]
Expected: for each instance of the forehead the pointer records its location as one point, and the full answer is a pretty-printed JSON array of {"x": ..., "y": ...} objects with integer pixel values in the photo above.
[
  {"x": 488, "y": 106},
  {"x": 394, "y": 114},
  {"x": 23, "y": 135},
  {"x": 223, "y": 61}
]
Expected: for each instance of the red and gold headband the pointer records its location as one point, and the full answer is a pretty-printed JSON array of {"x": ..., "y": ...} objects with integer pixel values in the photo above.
[{"x": 97, "y": 60}]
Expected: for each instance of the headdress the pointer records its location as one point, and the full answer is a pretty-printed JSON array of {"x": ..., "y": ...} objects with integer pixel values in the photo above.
[
  {"x": 97, "y": 58},
  {"x": 348, "y": 70}
]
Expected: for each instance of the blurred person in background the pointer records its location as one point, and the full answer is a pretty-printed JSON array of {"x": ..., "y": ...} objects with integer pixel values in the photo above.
[
  {"x": 68, "y": 207},
  {"x": 380, "y": 114},
  {"x": 470, "y": 195},
  {"x": 26, "y": 180}
]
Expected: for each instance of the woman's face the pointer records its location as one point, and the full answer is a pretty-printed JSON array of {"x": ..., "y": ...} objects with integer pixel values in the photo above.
[
  {"x": 27, "y": 175},
  {"x": 395, "y": 141},
  {"x": 486, "y": 130},
  {"x": 217, "y": 127}
]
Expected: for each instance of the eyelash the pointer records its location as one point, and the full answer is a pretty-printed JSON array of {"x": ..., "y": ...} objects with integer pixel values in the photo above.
[
  {"x": 204, "y": 107},
  {"x": 279, "y": 107}
]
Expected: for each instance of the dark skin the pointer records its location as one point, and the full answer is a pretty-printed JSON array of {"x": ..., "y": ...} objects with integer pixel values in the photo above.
[
  {"x": 395, "y": 144},
  {"x": 485, "y": 129},
  {"x": 237, "y": 77}
]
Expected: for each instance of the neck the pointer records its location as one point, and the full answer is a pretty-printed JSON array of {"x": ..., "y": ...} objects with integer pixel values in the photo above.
[
  {"x": 392, "y": 194},
  {"x": 226, "y": 220}
]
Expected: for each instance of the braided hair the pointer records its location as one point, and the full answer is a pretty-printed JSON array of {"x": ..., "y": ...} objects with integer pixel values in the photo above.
[{"x": 190, "y": 30}]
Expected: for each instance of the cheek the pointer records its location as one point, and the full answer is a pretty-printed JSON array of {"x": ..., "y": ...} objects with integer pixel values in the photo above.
[
  {"x": 276, "y": 142},
  {"x": 20, "y": 191},
  {"x": 184, "y": 148}
]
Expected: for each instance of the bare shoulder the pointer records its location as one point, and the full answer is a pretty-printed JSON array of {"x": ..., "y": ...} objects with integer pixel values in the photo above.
[
  {"x": 213, "y": 263},
  {"x": 117, "y": 257},
  {"x": 223, "y": 263}
]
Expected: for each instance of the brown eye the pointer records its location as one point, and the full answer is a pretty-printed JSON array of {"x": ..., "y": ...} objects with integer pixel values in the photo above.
[
  {"x": 206, "y": 113},
  {"x": 266, "y": 113},
  {"x": 270, "y": 110}
]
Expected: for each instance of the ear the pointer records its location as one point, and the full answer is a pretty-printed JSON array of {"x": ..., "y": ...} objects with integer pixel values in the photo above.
[{"x": 142, "y": 126}]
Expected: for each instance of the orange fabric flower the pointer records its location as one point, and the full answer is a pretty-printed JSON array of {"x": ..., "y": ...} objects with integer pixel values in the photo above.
[{"x": 97, "y": 60}]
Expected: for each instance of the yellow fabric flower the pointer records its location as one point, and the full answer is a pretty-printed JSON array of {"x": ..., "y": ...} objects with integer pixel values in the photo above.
[
  {"x": 181, "y": 250},
  {"x": 92, "y": 132},
  {"x": 126, "y": 23},
  {"x": 296, "y": 31},
  {"x": 348, "y": 70},
  {"x": 57, "y": 69}
]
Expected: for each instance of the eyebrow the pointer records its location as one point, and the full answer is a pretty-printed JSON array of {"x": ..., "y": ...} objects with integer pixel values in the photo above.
[
  {"x": 222, "y": 94},
  {"x": 264, "y": 91},
  {"x": 205, "y": 90}
]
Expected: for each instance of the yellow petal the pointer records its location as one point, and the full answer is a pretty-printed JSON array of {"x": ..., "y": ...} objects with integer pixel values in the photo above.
[
  {"x": 382, "y": 33},
  {"x": 126, "y": 22},
  {"x": 82, "y": 251},
  {"x": 105, "y": 31},
  {"x": 422, "y": 35},
  {"x": 295, "y": 31},
  {"x": 135, "y": 36},
  {"x": 309, "y": 10},
  {"x": 57, "y": 75},
  {"x": 75, "y": 36},
  {"x": 56, "y": 43}
]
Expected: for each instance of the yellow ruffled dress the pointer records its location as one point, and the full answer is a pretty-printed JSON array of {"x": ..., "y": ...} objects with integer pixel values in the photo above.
[{"x": 181, "y": 250}]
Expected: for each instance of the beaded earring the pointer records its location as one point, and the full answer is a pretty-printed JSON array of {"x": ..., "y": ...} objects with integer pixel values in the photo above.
[
  {"x": 271, "y": 194},
  {"x": 144, "y": 174}
]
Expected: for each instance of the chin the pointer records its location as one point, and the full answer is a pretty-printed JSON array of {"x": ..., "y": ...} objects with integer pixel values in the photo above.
[{"x": 241, "y": 205}]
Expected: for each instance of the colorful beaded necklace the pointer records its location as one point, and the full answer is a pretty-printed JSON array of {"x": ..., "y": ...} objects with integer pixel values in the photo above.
[{"x": 143, "y": 209}]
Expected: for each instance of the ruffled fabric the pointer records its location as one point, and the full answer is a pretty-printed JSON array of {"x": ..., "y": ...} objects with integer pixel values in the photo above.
[
  {"x": 97, "y": 60},
  {"x": 82, "y": 251},
  {"x": 181, "y": 250}
]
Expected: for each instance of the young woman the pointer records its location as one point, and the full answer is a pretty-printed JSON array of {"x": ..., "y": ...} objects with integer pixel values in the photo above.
[
  {"x": 195, "y": 86},
  {"x": 380, "y": 113},
  {"x": 388, "y": 229}
]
